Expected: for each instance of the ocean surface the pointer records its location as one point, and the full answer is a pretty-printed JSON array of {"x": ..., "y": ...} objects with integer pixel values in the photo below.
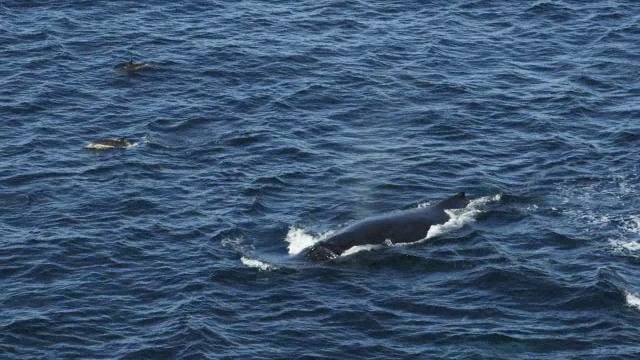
[{"x": 260, "y": 128}]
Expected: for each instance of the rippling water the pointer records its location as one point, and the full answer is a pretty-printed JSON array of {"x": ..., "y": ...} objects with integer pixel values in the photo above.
[{"x": 261, "y": 128}]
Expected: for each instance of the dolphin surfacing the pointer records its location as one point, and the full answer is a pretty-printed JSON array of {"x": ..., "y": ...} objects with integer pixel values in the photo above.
[
  {"x": 106, "y": 144},
  {"x": 130, "y": 67},
  {"x": 398, "y": 227}
]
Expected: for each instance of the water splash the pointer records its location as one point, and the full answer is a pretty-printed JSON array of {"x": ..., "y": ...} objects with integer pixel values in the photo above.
[
  {"x": 461, "y": 217},
  {"x": 627, "y": 241},
  {"x": 633, "y": 300},
  {"x": 299, "y": 239},
  {"x": 262, "y": 266}
]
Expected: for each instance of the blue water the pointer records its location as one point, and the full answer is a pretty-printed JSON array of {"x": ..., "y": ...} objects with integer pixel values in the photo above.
[{"x": 262, "y": 127}]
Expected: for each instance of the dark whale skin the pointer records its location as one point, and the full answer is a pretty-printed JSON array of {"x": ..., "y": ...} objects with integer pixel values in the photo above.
[{"x": 398, "y": 227}]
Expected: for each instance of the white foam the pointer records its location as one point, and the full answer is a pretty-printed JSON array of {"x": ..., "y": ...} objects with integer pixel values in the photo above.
[
  {"x": 596, "y": 220},
  {"x": 461, "y": 217},
  {"x": 633, "y": 300},
  {"x": 481, "y": 201},
  {"x": 232, "y": 242},
  {"x": 625, "y": 246},
  {"x": 633, "y": 225},
  {"x": 424, "y": 204},
  {"x": 299, "y": 239},
  {"x": 357, "y": 249},
  {"x": 457, "y": 219},
  {"x": 627, "y": 241},
  {"x": 263, "y": 266}
]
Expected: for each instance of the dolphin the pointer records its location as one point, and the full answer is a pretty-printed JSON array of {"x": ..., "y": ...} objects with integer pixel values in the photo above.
[
  {"x": 397, "y": 227},
  {"x": 106, "y": 144},
  {"x": 131, "y": 67}
]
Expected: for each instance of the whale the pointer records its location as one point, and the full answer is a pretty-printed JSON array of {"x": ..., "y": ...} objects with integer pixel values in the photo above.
[
  {"x": 107, "y": 144},
  {"x": 397, "y": 227},
  {"x": 131, "y": 67}
]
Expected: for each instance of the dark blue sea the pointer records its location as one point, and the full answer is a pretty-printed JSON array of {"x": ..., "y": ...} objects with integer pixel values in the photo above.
[{"x": 260, "y": 128}]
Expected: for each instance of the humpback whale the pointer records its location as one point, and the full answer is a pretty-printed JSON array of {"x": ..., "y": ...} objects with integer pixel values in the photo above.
[
  {"x": 397, "y": 227},
  {"x": 106, "y": 144}
]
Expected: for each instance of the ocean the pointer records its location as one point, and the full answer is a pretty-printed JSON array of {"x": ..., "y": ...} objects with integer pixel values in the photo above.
[{"x": 260, "y": 128}]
